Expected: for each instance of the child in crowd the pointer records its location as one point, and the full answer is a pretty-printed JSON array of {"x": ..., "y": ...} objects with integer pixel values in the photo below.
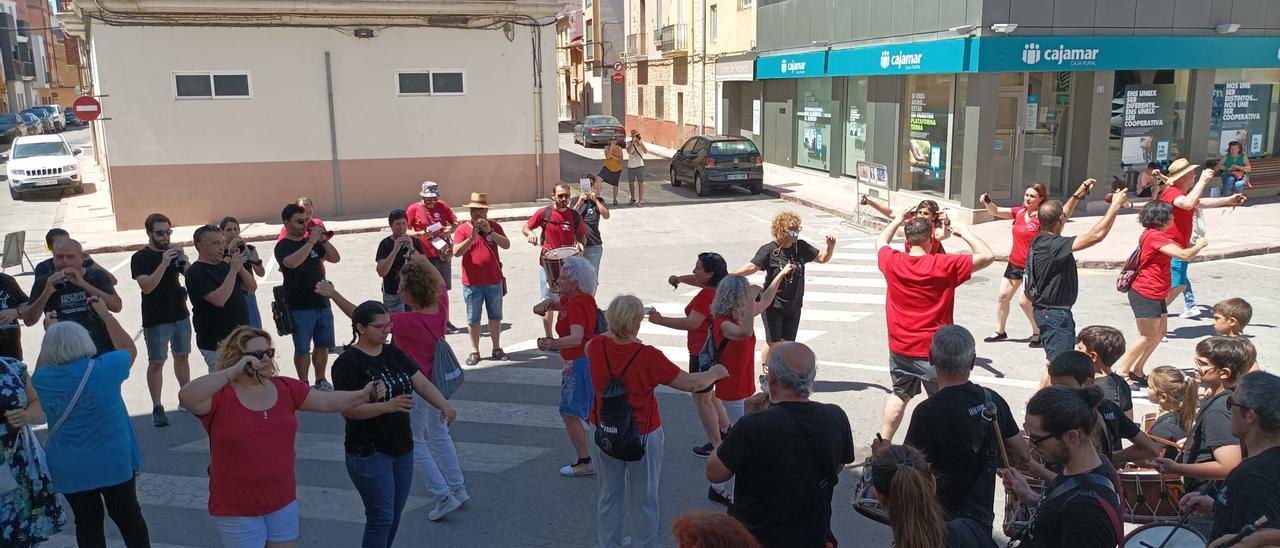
[
  {"x": 1230, "y": 318},
  {"x": 1105, "y": 345},
  {"x": 1075, "y": 369},
  {"x": 1176, "y": 395}
]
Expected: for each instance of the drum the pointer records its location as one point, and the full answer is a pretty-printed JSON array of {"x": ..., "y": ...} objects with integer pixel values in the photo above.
[
  {"x": 1148, "y": 420},
  {"x": 1017, "y": 514},
  {"x": 552, "y": 260},
  {"x": 1154, "y": 534},
  {"x": 1149, "y": 496},
  {"x": 865, "y": 501}
]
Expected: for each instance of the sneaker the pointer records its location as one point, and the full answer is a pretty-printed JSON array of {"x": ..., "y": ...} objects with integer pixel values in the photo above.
[
  {"x": 1190, "y": 312},
  {"x": 578, "y": 469},
  {"x": 158, "y": 418},
  {"x": 704, "y": 450},
  {"x": 444, "y": 505},
  {"x": 323, "y": 386},
  {"x": 718, "y": 496},
  {"x": 453, "y": 329},
  {"x": 473, "y": 358},
  {"x": 460, "y": 493}
]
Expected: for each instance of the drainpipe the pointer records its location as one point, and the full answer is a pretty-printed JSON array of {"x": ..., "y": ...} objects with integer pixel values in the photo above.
[
  {"x": 702, "y": 92},
  {"x": 333, "y": 137},
  {"x": 539, "y": 138}
]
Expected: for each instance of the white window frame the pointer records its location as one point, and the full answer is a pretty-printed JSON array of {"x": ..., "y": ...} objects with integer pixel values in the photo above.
[
  {"x": 713, "y": 26},
  {"x": 173, "y": 77},
  {"x": 431, "y": 81},
  {"x": 744, "y": 4}
]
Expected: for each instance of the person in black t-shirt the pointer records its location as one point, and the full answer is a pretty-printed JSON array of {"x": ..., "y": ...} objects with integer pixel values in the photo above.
[
  {"x": 1079, "y": 508},
  {"x": 216, "y": 285},
  {"x": 592, "y": 210},
  {"x": 1249, "y": 492},
  {"x": 1074, "y": 369},
  {"x": 45, "y": 267},
  {"x": 953, "y": 428},
  {"x": 1104, "y": 345},
  {"x": 1177, "y": 395},
  {"x": 63, "y": 294},
  {"x": 786, "y": 458},
  {"x": 165, "y": 321},
  {"x": 12, "y": 300},
  {"x": 230, "y": 227},
  {"x": 393, "y": 251},
  {"x": 1050, "y": 281},
  {"x": 302, "y": 254},
  {"x": 782, "y": 318},
  {"x": 904, "y": 483},
  {"x": 379, "y": 439}
]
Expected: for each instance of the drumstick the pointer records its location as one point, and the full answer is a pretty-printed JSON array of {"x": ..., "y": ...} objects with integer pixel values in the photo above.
[
  {"x": 1248, "y": 530},
  {"x": 990, "y": 408},
  {"x": 1170, "y": 443}
]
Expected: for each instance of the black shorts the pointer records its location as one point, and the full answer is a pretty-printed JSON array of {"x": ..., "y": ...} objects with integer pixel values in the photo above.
[
  {"x": 910, "y": 375},
  {"x": 694, "y": 368},
  {"x": 1057, "y": 330},
  {"x": 780, "y": 325},
  {"x": 1014, "y": 273},
  {"x": 1144, "y": 308},
  {"x": 610, "y": 177}
]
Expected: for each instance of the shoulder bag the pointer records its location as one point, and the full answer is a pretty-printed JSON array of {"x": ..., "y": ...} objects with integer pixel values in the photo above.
[
  {"x": 1130, "y": 271},
  {"x": 446, "y": 372}
]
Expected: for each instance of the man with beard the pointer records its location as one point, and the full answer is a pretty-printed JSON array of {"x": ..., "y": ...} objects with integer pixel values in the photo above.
[
  {"x": 561, "y": 226},
  {"x": 166, "y": 324}
]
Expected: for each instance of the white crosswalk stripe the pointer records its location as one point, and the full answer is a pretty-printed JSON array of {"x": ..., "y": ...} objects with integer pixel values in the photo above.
[{"x": 646, "y": 328}]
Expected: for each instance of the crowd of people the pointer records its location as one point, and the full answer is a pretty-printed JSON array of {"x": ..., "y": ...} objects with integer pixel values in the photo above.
[{"x": 1218, "y": 429}]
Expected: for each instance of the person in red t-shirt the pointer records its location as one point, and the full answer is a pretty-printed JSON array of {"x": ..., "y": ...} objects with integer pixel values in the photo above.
[
  {"x": 576, "y": 326},
  {"x": 249, "y": 412},
  {"x": 308, "y": 209},
  {"x": 919, "y": 299},
  {"x": 707, "y": 273},
  {"x": 1026, "y": 224},
  {"x": 424, "y": 216},
  {"x": 477, "y": 242},
  {"x": 561, "y": 226},
  {"x": 641, "y": 369},
  {"x": 1151, "y": 285}
]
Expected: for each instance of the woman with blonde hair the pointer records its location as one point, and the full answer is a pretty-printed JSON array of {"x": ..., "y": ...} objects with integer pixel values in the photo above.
[
  {"x": 641, "y": 368},
  {"x": 905, "y": 485},
  {"x": 1177, "y": 396},
  {"x": 250, "y": 415},
  {"x": 418, "y": 332},
  {"x": 733, "y": 333},
  {"x": 779, "y": 258}
]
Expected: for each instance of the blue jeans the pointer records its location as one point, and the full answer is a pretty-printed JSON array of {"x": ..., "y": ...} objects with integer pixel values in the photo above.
[
  {"x": 490, "y": 296},
  {"x": 255, "y": 317},
  {"x": 1231, "y": 185},
  {"x": 383, "y": 482},
  {"x": 592, "y": 254},
  {"x": 1057, "y": 330}
]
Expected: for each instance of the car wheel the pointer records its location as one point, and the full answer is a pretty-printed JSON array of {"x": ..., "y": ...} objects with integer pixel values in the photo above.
[
  {"x": 674, "y": 180},
  {"x": 78, "y": 189},
  {"x": 14, "y": 194},
  {"x": 756, "y": 188},
  {"x": 699, "y": 186}
]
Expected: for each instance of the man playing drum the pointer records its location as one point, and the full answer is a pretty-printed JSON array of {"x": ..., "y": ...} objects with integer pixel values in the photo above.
[{"x": 561, "y": 227}]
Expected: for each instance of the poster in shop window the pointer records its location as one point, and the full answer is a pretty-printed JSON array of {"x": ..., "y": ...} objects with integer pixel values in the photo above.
[
  {"x": 1148, "y": 124},
  {"x": 1240, "y": 113}
]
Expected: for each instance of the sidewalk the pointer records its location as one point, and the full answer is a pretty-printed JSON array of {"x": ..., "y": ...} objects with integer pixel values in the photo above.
[{"x": 1244, "y": 231}]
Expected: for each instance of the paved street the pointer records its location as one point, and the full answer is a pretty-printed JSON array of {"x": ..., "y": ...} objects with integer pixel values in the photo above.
[
  {"x": 509, "y": 434},
  {"x": 37, "y": 212}
]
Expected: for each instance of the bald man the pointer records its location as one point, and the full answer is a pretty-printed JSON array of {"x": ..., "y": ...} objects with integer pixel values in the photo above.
[
  {"x": 787, "y": 457},
  {"x": 63, "y": 294}
]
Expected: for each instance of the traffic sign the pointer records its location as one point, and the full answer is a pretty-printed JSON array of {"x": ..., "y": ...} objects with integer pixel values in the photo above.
[
  {"x": 617, "y": 77},
  {"x": 617, "y": 65},
  {"x": 87, "y": 108}
]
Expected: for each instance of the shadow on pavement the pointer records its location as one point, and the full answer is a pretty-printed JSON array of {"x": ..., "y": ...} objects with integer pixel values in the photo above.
[{"x": 846, "y": 386}]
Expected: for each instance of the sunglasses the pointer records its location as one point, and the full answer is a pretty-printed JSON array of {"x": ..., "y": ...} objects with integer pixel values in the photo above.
[
  {"x": 1035, "y": 440},
  {"x": 262, "y": 354},
  {"x": 165, "y": 232},
  {"x": 559, "y": 196}
]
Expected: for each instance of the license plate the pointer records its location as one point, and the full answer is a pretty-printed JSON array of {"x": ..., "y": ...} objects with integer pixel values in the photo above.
[
  {"x": 47, "y": 182},
  {"x": 735, "y": 177}
]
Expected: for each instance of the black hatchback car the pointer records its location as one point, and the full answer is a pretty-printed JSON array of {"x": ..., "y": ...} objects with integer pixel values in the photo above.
[{"x": 718, "y": 161}]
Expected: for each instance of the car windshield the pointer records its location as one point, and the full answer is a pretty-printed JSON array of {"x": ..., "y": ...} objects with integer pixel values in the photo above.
[
  {"x": 601, "y": 121},
  {"x": 10, "y": 119},
  {"x": 28, "y": 150},
  {"x": 36, "y": 113},
  {"x": 733, "y": 147}
]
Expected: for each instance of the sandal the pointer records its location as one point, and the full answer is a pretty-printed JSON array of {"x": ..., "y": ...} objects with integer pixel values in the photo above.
[
  {"x": 633, "y": 201},
  {"x": 716, "y": 495},
  {"x": 639, "y": 204},
  {"x": 498, "y": 354},
  {"x": 473, "y": 359},
  {"x": 996, "y": 337},
  {"x": 1136, "y": 381},
  {"x": 1034, "y": 341}
]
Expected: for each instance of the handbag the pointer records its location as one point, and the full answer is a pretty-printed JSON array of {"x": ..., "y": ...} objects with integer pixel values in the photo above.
[
  {"x": 446, "y": 372},
  {"x": 280, "y": 312},
  {"x": 1130, "y": 271}
]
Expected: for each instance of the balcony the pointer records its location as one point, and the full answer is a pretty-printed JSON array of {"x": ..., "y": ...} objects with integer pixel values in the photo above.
[
  {"x": 24, "y": 32},
  {"x": 637, "y": 45},
  {"x": 672, "y": 40},
  {"x": 25, "y": 69}
]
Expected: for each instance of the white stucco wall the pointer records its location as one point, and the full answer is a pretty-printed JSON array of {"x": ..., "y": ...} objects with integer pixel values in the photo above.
[{"x": 287, "y": 117}]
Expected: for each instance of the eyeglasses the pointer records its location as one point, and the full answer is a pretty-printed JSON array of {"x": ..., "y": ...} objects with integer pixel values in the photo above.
[
  {"x": 262, "y": 354},
  {"x": 381, "y": 326},
  {"x": 165, "y": 232},
  {"x": 1242, "y": 406},
  {"x": 1035, "y": 440}
]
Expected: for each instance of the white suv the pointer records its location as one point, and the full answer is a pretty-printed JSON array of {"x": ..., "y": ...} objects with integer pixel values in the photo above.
[{"x": 42, "y": 162}]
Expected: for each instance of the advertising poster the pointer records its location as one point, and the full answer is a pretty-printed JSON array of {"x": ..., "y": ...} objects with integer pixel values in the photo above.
[
  {"x": 873, "y": 174},
  {"x": 1240, "y": 113},
  {"x": 1148, "y": 125},
  {"x": 928, "y": 135}
]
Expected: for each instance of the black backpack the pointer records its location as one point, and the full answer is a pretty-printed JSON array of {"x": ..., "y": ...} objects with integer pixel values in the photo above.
[
  {"x": 617, "y": 433},
  {"x": 546, "y": 219},
  {"x": 602, "y": 324}
]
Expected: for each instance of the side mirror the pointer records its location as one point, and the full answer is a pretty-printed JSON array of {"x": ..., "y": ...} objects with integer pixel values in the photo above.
[
  {"x": 4, "y": 156},
  {"x": 76, "y": 152}
]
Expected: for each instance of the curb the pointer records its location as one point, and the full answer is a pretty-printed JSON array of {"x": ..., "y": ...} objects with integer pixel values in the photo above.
[{"x": 267, "y": 237}]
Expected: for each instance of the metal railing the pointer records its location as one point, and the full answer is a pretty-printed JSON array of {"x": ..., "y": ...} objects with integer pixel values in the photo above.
[
  {"x": 637, "y": 44},
  {"x": 672, "y": 38}
]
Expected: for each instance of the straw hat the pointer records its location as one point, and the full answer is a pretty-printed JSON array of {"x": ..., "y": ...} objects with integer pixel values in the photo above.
[
  {"x": 479, "y": 200},
  {"x": 1179, "y": 168}
]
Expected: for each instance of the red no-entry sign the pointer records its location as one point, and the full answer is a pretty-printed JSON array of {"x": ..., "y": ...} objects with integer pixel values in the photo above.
[
  {"x": 617, "y": 77},
  {"x": 87, "y": 108}
]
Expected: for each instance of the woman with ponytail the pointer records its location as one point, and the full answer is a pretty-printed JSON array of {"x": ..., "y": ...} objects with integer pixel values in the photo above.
[
  {"x": 905, "y": 484},
  {"x": 379, "y": 440},
  {"x": 1177, "y": 395}
]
